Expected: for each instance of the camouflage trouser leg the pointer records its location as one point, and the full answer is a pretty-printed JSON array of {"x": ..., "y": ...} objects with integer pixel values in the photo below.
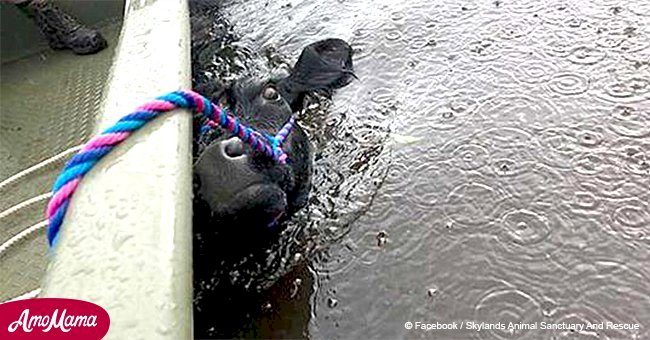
[{"x": 61, "y": 30}]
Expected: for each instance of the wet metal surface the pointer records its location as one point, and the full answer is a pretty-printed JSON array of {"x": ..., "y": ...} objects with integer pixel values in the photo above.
[
  {"x": 492, "y": 165},
  {"x": 48, "y": 106}
]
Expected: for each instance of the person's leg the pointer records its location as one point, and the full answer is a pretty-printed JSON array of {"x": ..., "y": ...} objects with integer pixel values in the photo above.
[{"x": 61, "y": 30}]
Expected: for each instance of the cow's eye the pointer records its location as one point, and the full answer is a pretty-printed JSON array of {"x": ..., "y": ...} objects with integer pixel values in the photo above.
[{"x": 270, "y": 93}]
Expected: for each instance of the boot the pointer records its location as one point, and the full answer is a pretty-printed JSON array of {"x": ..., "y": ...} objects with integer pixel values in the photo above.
[{"x": 61, "y": 30}]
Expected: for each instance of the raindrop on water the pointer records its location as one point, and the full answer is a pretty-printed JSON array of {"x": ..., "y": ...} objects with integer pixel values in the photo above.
[
  {"x": 382, "y": 238},
  {"x": 447, "y": 114}
]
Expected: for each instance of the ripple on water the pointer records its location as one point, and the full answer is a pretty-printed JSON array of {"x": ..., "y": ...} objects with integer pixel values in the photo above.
[
  {"x": 531, "y": 234},
  {"x": 557, "y": 147},
  {"x": 397, "y": 16},
  {"x": 525, "y": 227},
  {"x": 631, "y": 219},
  {"x": 491, "y": 148},
  {"x": 364, "y": 38},
  {"x": 405, "y": 244},
  {"x": 511, "y": 166},
  {"x": 425, "y": 191},
  {"x": 404, "y": 210},
  {"x": 557, "y": 13},
  {"x": 568, "y": 83},
  {"x": 312, "y": 30},
  {"x": 565, "y": 204},
  {"x": 362, "y": 50},
  {"x": 624, "y": 43},
  {"x": 485, "y": 49},
  {"x": 515, "y": 29},
  {"x": 524, "y": 7},
  {"x": 604, "y": 9},
  {"x": 396, "y": 182},
  {"x": 633, "y": 155},
  {"x": 474, "y": 204},
  {"x": 489, "y": 27},
  {"x": 506, "y": 138},
  {"x": 349, "y": 166},
  {"x": 498, "y": 76},
  {"x": 612, "y": 189},
  {"x": 573, "y": 21},
  {"x": 521, "y": 109},
  {"x": 451, "y": 113},
  {"x": 635, "y": 43},
  {"x": 383, "y": 95},
  {"x": 614, "y": 26},
  {"x": 589, "y": 138},
  {"x": 584, "y": 203},
  {"x": 467, "y": 156},
  {"x": 629, "y": 34},
  {"x": 561, "y": 145},
  {"x": 534, "y": 71},
  {"x": 578, "y": 26},
  {"x": 418, "y": 43},
  {"x": 560, "y": 47},
  {"x": 393, "y": 34},
  {"x": 586, "y": 55},
  {"x": 606, "y": 174},
  {"x": 589, "y": 164},
  {"x": 396, "y": 187},
  {"x": 609, "y": 42},
  {"x": 628, "y": 88},
  {"x": 605, "y": 291},
  {"x": 641, "y": 8},
  {"x": 362, "y": 32},
  {"x": 454, "y": 11},
  {"x": 506, "y": 305},
  {"x": 340, "y": 263}
]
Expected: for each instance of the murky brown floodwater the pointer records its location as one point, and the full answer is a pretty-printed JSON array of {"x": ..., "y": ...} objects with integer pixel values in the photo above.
[{"x": 492, "y": 165}]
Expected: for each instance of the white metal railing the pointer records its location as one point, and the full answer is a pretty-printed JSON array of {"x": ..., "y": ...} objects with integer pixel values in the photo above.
[{"x": 126, "y": 241}]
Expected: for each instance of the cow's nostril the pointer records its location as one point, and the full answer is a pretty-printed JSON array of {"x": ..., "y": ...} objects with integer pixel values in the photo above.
[{"x": 233, "y": 147}]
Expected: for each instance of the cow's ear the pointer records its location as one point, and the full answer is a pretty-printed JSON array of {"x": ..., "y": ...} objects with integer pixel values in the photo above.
[{"x": 323, "y": 65}]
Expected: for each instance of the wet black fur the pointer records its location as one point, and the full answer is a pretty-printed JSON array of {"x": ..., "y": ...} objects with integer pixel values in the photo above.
[{"x": 236, "y": 204}]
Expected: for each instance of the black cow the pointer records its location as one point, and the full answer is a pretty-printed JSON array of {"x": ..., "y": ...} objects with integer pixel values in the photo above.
[{"x": 242, "y": 196}]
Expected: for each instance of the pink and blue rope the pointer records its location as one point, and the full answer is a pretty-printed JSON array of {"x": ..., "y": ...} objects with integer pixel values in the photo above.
[{"x": 98, "y": 147}]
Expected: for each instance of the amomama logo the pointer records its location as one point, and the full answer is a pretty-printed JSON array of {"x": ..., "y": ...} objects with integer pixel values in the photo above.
[{"x": 51, "y": 318}]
